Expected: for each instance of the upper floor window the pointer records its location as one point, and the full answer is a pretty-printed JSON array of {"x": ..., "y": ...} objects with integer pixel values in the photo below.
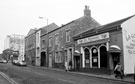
[
  {"x": 68, "y": 36},
  {"x": 56, "y": 39},
  {"x": 43, "y": 43},
  {"x": 50, "y": 42}
]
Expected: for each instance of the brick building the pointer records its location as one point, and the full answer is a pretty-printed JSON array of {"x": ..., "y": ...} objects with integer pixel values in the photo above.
[
  {"x": 58, "y": 44},
  {"x": 104, "y": 46}
]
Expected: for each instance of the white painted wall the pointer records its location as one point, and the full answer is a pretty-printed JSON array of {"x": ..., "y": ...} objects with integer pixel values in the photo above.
[
  {"x": 128, "y": 31},
  {"x": 38, "y": 48}
]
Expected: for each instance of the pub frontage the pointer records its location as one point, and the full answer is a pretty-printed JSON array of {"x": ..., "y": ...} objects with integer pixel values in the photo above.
[{"x": 103, "y": 47}]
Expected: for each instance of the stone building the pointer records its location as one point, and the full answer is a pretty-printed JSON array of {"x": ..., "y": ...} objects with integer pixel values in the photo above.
[{"x": 30, "y": 47}]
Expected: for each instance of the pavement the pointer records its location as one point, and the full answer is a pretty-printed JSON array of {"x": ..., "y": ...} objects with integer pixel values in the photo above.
[
  {"x": 4, "y": 79},
  {"x": 128, "y": 78}
]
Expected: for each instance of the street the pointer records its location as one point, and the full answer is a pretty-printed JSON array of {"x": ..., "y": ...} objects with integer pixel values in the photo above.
[{"x": 41, "y": 75}]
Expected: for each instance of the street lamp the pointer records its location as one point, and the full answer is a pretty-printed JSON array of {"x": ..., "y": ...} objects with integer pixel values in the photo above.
[
  {"x": 43, "y": 18},
  {"x": 47, "y": 39}
]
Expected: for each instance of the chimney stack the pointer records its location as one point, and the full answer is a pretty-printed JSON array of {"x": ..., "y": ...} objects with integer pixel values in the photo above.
[{"x": 87, "y": 12}]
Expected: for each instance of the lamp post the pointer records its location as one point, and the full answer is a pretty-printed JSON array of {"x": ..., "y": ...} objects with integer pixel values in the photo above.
[
  {"x": 47, "y": 40},
  {"x": 44, "y": 18}
]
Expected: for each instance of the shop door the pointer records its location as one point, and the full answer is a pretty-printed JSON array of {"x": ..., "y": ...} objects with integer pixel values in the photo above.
[
  {"x": 94, "y": 57},
  {"x": 116, "y": 58},
  {"x": 77, "y": 62},
  {"x": 103, "y": 57}
]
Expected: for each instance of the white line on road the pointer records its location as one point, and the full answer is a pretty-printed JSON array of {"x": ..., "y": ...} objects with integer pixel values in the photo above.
[
  {"x": 9, "y": 79},
  {"x": 67, "y": 81}
]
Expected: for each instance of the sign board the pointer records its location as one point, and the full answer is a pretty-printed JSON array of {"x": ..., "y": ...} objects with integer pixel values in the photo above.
[
  {"x": 128, "y": 33},
  {"x": 93, "y": 38}
]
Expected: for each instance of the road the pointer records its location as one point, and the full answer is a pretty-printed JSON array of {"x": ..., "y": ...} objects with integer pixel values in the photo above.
[{"x": 41, "y": 75}]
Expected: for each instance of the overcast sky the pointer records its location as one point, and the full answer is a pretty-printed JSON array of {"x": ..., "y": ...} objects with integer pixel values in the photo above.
[{"x": 19, "y": 16}]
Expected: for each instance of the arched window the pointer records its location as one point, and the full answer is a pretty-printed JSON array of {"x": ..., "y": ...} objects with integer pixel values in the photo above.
[
  {"x": 87, "y": 57},
  {"x": 103, "y": 56},
  {"x": 94, "y": 52}
]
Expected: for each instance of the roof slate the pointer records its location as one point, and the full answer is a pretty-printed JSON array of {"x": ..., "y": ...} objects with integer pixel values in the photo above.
[{"x": 103, "y": 27}]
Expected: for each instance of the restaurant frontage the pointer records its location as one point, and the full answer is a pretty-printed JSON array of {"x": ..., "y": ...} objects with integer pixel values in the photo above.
[{"x": 102, "y": 48}]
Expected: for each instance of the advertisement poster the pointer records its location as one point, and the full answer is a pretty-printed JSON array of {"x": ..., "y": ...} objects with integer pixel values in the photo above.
[{"x": 128, "y": 31}]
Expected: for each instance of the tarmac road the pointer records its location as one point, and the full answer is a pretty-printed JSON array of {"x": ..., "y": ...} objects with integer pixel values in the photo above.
[{"x": 41, "y": 75}]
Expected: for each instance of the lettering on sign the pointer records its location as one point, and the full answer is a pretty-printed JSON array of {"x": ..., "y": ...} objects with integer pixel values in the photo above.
[
  {"x": 130, "y": 45},
  {"x": 93, "y": 38}
]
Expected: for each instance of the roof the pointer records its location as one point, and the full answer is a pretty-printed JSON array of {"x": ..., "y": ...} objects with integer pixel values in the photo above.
[
  {"x": 48, "y": 28},
  {"x": 102, "y": 28},
  {"x": 31, "y": 31}
]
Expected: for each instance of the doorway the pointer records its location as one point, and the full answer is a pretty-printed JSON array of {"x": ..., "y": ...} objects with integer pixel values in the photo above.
[
  {"x": 103, "y": 57},
  {"x": 43, "y": 59},
  {"x": 116, "y": 58},
  {"x": 77, "y": 62}
]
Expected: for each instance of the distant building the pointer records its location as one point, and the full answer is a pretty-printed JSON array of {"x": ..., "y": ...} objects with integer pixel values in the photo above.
[
  {"x": 15, "y": 43},
  {"x": 30, "y": 47},
  {"x": 33, "y": 46}
]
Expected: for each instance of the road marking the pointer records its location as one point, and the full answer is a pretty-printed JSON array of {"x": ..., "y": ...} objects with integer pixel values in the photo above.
[
  {"x": 67, "y": 81},
  {"x": 7, "y": 78}
]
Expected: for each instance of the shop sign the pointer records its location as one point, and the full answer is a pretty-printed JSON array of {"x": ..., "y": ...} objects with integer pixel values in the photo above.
[{"x": 93, "y": 38}]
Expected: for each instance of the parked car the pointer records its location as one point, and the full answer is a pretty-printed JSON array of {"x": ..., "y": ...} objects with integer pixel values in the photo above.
[
  {"x": 3, "y": 61},
  {"x": 19, "y": 63}
]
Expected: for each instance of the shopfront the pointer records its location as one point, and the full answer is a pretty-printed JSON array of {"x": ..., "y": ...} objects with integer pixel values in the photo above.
[
  {"x": 105, "y": 46},
  {"x": 94, "y": 51}
]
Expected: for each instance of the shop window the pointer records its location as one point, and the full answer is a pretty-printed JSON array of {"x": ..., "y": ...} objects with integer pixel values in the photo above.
[
  {"x": 94, "y": 57},
  {"x": 87, "y": 58}
]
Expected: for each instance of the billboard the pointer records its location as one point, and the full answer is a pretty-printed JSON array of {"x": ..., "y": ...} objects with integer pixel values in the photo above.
[{"x": 128, "y": 33}]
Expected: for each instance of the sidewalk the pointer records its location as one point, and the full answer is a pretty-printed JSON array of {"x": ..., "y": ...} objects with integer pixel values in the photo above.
[
  {"x": 4, "y": 79},
  {"x": 128, "y": 79}
]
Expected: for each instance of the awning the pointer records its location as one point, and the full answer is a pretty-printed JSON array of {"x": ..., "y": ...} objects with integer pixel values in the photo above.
[
  {"x": 77, "y": 53},
  {"x": 114, "y": 48}
]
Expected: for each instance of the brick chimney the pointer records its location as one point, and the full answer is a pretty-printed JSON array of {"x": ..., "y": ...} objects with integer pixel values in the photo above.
[{"x": 87, "y": 12}]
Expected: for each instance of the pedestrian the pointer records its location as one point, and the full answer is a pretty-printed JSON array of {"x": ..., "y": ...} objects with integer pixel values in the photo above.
[
  {"x": 118, "y": 71},
  {"x": 70, "y": 65},
  {"x": 66, "y": 66}
]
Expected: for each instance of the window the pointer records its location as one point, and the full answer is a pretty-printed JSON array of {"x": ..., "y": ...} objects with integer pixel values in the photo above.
[
  {"x": 68, "y": 36},
  {"x": 58, "y": 57},
  {"x": 50, "y": 42},
  {"x": 56, "y": 39},
  {"x": 43, "y": 43}
]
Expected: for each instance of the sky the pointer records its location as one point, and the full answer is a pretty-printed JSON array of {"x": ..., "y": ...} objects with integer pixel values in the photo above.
[{"x": 19, "y": 16}]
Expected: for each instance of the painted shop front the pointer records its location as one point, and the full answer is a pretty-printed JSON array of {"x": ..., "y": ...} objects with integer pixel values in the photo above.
[
  {"x": 94, "y": 51},
  {"x": 100, "y": 52},
  {"x": 103, "y": 47}
]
